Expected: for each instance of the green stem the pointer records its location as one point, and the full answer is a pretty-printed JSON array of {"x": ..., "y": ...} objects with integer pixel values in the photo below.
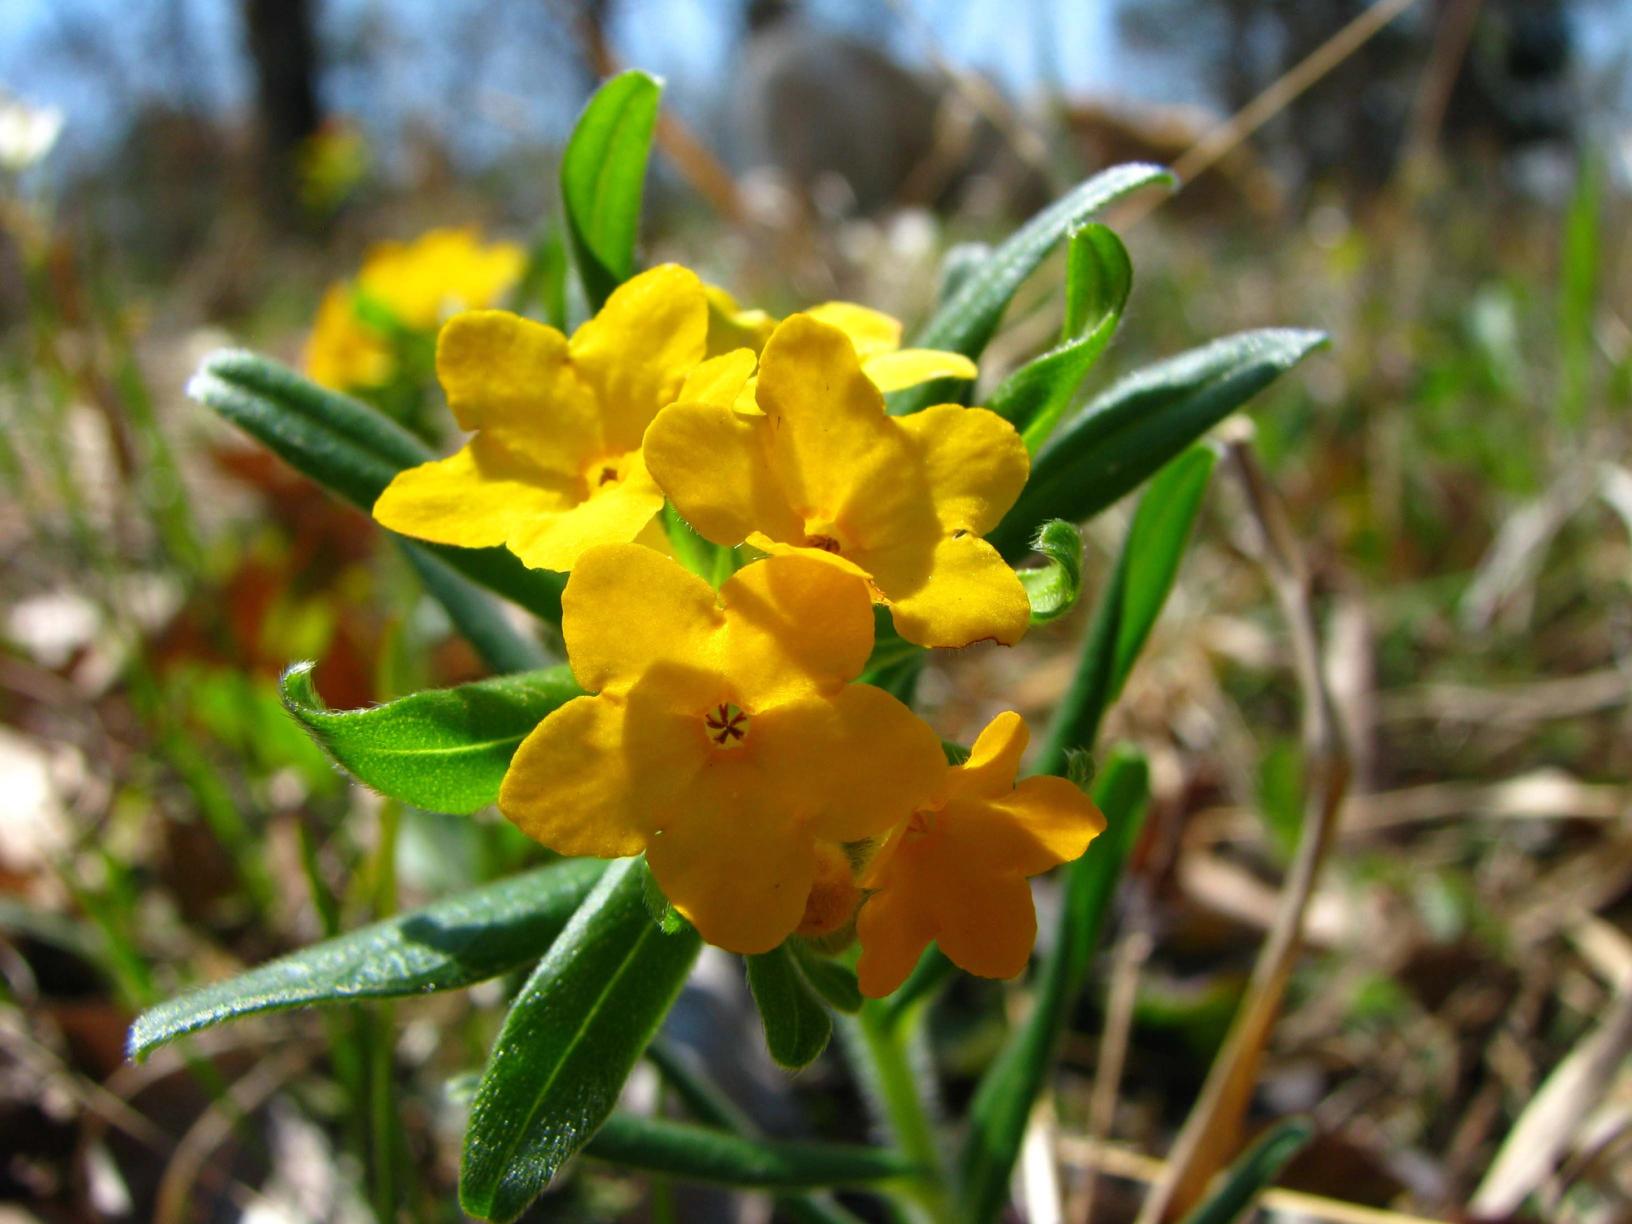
[
  {"x": 881, "y": 1052},
  {"x": 379, "y": 1022}
]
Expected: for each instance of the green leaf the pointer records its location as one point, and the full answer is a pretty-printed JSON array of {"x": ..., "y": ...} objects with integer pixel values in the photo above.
[
  {"x": 1054, "y": 588},
  {"x": 697, "y": 1153},
  {"x": 444, "y": 750},
  {"x": 353, "y": 451},
  {"x": 928, "y": 977},
  {"x": 475, "y": 616},
  {"x": 835, "y": 982},
  {"x": 456, "y": 942},
  {"x": 1098, "y": 278},
  {"x": 1128, "y": 432},
  {"x": 1004, "y": 1098},
  {"x": 603, "y": 172},
  {"x": 568, "y": 1043},
  {"x": 1253, "y": 1172},
  {"x": 969, "y": 317},
  {"x": 797, "y": 1026},
  {"x": 1130, "y": 603}
]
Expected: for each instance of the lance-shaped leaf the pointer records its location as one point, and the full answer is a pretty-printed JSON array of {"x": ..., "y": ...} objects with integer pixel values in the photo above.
[
  {"x": 456, "y": 942},
  {"x": 1098, "y": 278},
  {"x": 481, "y": 621},
  {"x": 444, "y": 750},
  {"x": 1129, "y": 605},
  {"x": 603, "y": 173},
  {"x": 698, "y": 1153},
  {"x": 969, "y": 317},
  {"x": 797, "y": 1026},
  {"x": 834, "y": 982},
  {"x": 1053, "y": 588},
  {"x": 1004, "y": 1098},
  {"x": 353, "y": 451},
  {"x": 568, "y": 1043},
  {"x": 1250, "y": 1175},
  {"x": 1132, "y": 429}
]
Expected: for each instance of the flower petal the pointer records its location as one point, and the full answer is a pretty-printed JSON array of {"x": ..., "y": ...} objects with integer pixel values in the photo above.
[
  {"x": 719, "y": 380},
  {"x": 971, "y": 595},
  {"x": 638, "y": 350},
  {"x": 834, "y": 452},
  {"x": 628, "y": 609},
  {"x": 1041, "y": 823},
  {"x": 986, "y": 925},
  {"x": 859, "y": 762},
  {"x": 734, "y": 864},
  {"x": 510, "y": 376},
  {"x": 615, "y": 513},
  {"x": 909, "y": 367},
  {"x": 894, "y": 933},
  {"x": 974, "y": 462},
  {"x": 574, "y": 786},
  {"x": 473, "y": 498},
  {"x": 994, "y": 757},
  {"x": 794, "y": 626},
  {"x": 711, "y": 462},
  {"x": 870, "y": 332}
]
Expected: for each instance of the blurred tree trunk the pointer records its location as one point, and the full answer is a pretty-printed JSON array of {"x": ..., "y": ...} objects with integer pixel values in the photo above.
[{"x": 284, "y": 50}]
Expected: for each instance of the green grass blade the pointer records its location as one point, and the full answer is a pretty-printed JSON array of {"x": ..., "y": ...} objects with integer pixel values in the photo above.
[
  {"x": 797, "y": 1026},
  {"x": 444, "y": 750},
  {"x": 1131, "y": 602},
  {"x": 1004, "y": 1098},
  {"x": 1249, "y": 1176},
  {"x": 456, "y": 942},
  {"x": 569, "y": 1042},
  {"x": 969, "y": 317},
  {"x": 603, "y": 173},
  {"x": 697, "y": 1153},
  {"x": 1131, "y": 430}
]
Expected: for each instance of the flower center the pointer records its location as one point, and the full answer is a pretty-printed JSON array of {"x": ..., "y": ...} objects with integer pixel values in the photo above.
[
  {"x": 727, "y": 724},
  {"x": 604, "y": 471},
  {"x": 822, "y": 534}
]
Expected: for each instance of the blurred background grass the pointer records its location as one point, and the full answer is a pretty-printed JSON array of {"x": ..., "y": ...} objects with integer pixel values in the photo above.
[{"x": 1447, "y": 199}]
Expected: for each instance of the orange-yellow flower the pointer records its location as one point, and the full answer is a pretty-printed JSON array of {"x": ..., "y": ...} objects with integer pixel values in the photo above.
[
  {"x": 555, "y": 466},
  {"x": 956, "y": 871},
  {"x": 820, "y": 467},
  {"x": 414, "y": 286},
  {"x": 723, "y": 738}
]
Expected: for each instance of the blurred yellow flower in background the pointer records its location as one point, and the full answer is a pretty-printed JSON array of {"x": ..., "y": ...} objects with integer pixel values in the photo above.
[
  {"x": 724, "y": 740},
  {"x": 555, "y": 466},
  {"x": 404, "y": 287},
  {"x": 956, "y": 871},
  {"x": 819, "y": 467}
]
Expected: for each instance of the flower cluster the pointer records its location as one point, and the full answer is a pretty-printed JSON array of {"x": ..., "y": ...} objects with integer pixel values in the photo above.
[{"x": 725, "y": 734}]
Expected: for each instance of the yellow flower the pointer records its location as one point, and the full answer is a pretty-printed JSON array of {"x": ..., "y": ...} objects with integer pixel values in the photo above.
[
  {"x": 956, "y": 871},
  {"x": 417, "y": 285},
  {"x": 724, "y": 739},
  {"x": 424, "y": 282},
  {"x": 902, "y": 501},
  {"x": 555, "y": 466},
  {"x": 343, "y": 352},
  {"x": 876, "y": 337}
]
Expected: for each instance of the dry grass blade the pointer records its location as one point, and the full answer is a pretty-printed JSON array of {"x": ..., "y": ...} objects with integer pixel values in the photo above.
[
  {"x": 1116, "y": 1160},
  {"x": 1544, "y": 1131},
  {"x": 1211, "y": 1134}
]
